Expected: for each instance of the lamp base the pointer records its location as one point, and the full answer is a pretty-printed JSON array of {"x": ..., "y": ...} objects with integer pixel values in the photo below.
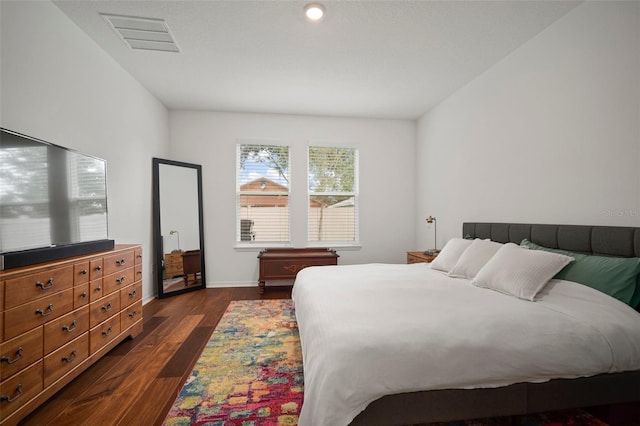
[{"x": 432, "y": 252}]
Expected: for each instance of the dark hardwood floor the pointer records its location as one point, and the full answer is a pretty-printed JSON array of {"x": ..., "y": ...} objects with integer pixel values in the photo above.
[{"x": 137, "y": 382}]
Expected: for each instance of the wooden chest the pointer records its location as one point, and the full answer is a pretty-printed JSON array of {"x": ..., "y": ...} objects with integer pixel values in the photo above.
[{"x": 284, "y": 264}]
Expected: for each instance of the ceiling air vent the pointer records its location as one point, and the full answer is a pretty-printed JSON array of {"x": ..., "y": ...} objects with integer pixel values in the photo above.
[{"x": 143, "y": 33}]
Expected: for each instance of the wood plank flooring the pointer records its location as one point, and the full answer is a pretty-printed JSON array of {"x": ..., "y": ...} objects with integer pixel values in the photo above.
[{"x": 137, "y": 382}]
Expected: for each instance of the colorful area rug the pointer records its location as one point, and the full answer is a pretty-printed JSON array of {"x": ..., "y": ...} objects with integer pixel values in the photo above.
[{"x": 250, "y": 374}]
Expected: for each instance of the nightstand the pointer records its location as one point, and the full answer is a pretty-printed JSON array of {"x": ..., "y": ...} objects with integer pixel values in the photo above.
[{"x": 419, "y": 257}]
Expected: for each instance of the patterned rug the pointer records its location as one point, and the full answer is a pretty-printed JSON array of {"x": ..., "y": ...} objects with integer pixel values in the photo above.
[{"x": 250, "y": 374}]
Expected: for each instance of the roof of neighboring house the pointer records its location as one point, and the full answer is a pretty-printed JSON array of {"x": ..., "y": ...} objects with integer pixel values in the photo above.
[
  {"x": 266, "y": 186},
  {"x": 263, "y": 185}
]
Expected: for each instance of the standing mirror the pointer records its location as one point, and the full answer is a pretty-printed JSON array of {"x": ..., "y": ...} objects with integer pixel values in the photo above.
[{"x": 178, "y": 227}]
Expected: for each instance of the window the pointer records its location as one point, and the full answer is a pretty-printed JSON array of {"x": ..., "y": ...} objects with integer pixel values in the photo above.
[
  {"x": 333, "y": 195},
  {"x": 262, "y": 188}
]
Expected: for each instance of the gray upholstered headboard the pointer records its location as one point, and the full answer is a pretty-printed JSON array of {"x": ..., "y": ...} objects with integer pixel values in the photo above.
[{"x": 598, "y": 240}]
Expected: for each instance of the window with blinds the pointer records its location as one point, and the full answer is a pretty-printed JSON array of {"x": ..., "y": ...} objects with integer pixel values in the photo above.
[
  {"x": 262, "y": 190},
  {"x": 333, "y": 195}
]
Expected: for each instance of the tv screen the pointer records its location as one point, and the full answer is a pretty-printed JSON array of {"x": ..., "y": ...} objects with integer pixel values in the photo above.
[{"x": 50, "y": 196}]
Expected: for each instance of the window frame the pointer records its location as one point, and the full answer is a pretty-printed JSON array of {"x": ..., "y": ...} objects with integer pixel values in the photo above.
[
  {"x": 355, "y": 194},
  {"x": 252, "y": 244}
]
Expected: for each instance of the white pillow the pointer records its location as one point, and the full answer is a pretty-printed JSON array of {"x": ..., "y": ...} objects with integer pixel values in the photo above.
[
  {"x": 450, "y": 254},
  {"x": 474, "y": 258},
  {"x": 520, "y": 273}
]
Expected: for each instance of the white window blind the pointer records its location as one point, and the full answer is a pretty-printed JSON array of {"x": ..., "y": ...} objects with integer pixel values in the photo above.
[
  {"x": 262, "y": 190},
  {"x": 333, "y": 195}
]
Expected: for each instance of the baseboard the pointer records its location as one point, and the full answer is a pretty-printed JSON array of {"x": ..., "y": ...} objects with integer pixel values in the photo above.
[
  {"x": 225, "y": 284},
  {"x": 218, "y": 284}
]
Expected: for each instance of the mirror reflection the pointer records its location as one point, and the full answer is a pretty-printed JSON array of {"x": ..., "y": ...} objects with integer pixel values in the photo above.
[{"x": 179, "y": 237}]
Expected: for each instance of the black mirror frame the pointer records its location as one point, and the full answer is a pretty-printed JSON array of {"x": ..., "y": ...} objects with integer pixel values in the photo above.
[{"x": 159, "y": 255}]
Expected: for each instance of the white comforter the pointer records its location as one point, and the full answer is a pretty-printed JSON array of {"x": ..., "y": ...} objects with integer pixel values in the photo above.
[{"x": 372, "y": 330}]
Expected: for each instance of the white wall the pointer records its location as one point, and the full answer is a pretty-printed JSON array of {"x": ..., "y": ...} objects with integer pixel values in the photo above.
[
  {"x": 387, "y": 189},
  {"x": 551, "y": 134},
  {"x": 58, "y": 85}
]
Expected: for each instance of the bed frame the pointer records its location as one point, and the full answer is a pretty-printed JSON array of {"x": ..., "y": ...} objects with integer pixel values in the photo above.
[{"x": 521, "y": 398}]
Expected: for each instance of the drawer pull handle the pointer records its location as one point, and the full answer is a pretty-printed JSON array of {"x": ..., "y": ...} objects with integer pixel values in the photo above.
[
  {"x": 98, "y": 268},
  {"x": 120, "y": 262},
  {"x": 18, "y": 394},
  {"x": 84, "y": 272},
  {"x": 16, "y": 359},
  {"x": 83, "y": 295},
  {"x": 106, "y": 308},
  {"x": 121, "y": 280},
  {"x": 46, "y": 286},
  {"x": 106, "y": 332},
  {"x": 70, "y": 328},
  {"x": 98, "y": 288},
  {"x": 132, "y": 293},
  {"x": 133, "y": 314},
  {"x": 46, "y": 312},
  {"x": 139, "y": 256},
  {"x": 69, "y": 358}
]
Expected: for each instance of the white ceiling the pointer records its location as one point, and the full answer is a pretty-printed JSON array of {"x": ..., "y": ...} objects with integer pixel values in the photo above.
[{"x": 379, "y": 59}]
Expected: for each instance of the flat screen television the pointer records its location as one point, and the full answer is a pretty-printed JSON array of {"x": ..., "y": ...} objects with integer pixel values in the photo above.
[{"x": 53, "y": 202}]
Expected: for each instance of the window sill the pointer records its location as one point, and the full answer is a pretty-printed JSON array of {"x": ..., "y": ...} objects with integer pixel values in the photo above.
[{"x": 260, "y": 247}]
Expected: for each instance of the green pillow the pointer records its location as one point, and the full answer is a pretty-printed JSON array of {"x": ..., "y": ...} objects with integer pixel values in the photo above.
[
  {"x": 635, "y": 299},
  {"x": 618, "y": 277}
]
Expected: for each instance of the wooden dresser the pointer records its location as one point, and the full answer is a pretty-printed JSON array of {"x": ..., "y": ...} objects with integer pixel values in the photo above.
[
  {"x": 60, "y": 317},
  {"x": 285, "y": 263},
  {"x": 173, "y": 264}
]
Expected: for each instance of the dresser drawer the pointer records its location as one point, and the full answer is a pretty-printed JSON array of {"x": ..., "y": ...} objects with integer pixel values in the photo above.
[
  {"x": 138, "y": 256},
  {"x": 80, "y": 295},
  {"x": 138, "y": 273},
  {"x": 95, "y": 290},
  {"x": 131, "y": 315},
  {"x": 19, "y": 352},
  {"x": 35, "y": 286},
  {"x": 32, "y": 314},
  {"x": 96, "y": 269},
  {"x": 118, "y": 262},
  {"x": 65, "y": 359},
  {"x": 289, "y": 268},
  {"x": 118, "y": 280},
  {"x": 65, "y": 329},
  {"x": 81, "y": 273},
  {"x": 19, "y": 389},
  {"x": 104, "y": 308},
  {"x": 104, "y": 333},
  {"x": 131, "y": 294}
]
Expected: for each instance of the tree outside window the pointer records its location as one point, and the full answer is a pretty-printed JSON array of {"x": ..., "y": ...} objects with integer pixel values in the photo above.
[{"x": 333, "y": 197}]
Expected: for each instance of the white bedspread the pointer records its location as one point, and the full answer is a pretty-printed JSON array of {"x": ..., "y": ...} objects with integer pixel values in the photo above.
[{"x": 377, "y": 329}]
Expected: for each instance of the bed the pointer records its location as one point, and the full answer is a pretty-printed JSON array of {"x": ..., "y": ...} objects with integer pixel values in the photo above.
[{"x": 573, "y": 347}]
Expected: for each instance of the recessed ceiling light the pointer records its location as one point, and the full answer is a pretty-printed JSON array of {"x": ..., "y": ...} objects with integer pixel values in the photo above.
[{"x": 314, "y": 11}]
